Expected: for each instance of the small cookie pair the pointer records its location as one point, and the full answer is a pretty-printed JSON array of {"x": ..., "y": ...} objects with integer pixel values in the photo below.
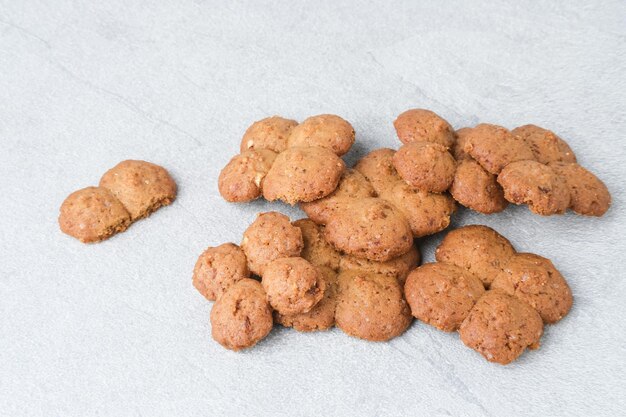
[{"x": 127, "y": 192}]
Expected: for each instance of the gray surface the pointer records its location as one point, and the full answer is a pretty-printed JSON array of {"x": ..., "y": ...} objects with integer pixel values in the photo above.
[{"x": 117, "y": 329}]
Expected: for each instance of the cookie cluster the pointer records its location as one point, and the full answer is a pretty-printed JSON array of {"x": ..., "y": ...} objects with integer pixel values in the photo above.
[{"x": 127, "y": 192}]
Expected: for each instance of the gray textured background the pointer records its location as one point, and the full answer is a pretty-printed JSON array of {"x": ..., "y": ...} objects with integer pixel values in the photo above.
[{"x": 117, "y": 328}]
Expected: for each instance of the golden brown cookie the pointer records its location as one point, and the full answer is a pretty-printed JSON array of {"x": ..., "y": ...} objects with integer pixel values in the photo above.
[
  {"x": 270, "y": 133},
  {"x": 419, "y": 125},
  {"x": 370, "y": 228},
  {"x": 500, "y": 327},
  {"x": 352, "y": 186},
  {"x": 293, "y": 285},
  {"x": 494, "y": 147},
  {"x": 142, "y": 187},
  {"x": 458, "y": 150},
  {"x": 218, "y": 268},
  {"x": 545, "y": 145},
  {"x": 241, "y": 317},
  {"x": 476, "y": 188},
  {"x": 92, "y": 214},
  {"x": 442, "y": 295},
  {"x": 327, "y": 131},
  {"x": 377, "y": 167},
  {"x": 371, "y": 306},
  {"x": 425, "y": 166},
  {"x": 535, "y": 184},
  {"x": 270, "y": 236},
  {"x": 302, "y": 174},
  {"x": 398, "y": 267},
  {"x": 534, "y": 280},
  {"x": 588, "y": 194},
  {"x": 242, "y": 178},
  {"x": 478, "y": 249},
  {"x": 316, "y": 249}
]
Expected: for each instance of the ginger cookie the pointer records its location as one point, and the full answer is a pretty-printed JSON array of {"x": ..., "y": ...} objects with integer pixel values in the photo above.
[
  {"x": 293, "y": 285},
  {"x": 442, "y": 295},
  {"x": 476, "y": 188},
  {"x": 316, "y": 249},
  {"x": 494, "y": 147},
  {"x": 377, "y": 167},
  {"x": 371, "y": 306},
  {"x": 241, "y": 317},
  {"x": 327, "y": 131},
  {"x": 419, "y": 125},
  {"x": 398, "y": 267},
  {"x": 588, "y": 195},
  {"x": 535, "y": 184},
  {"x": 546, "y": 146},
  {"x": 370, "y": 228},
  {"x": 302, "y": 174},
  {"x": 534, "y": 280},
  {"x": 93, "y": 214},
  {"x": 478, "y": 249},
  {"x": 142, "y": 187},
  {"x": 270, "y": 236},
  {"x": 270, "y": 133},
  {"x": 425, "y": 166},
  {"x": 218, "y": 268},
  {"x": 500, "y": 327},
  {"x": 242, "y": 178},
  {"x": 458, "y": 150}
]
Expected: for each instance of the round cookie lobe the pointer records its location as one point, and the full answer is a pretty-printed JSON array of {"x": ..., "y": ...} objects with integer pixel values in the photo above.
[
  {"x": 546, "y": 145},
  {"x": 242, "y": 178},
  {"x": 325, "y": 130},
  {"x": 271, "y": 133},
  {"x": 420, "y": 125},
  {"x": 398, "y": 267},
  {"x": 458, "y": 150},
  {"x": 588, "y": 194},
  {"x": 494, "y": 147},
  {"x": 218, "y": 268},
  {"x": 425, "y": 166},
  {"x": 377, "y": 167},
  {"x": 476, "y": 188},
  {"x": 316, "y": 249}
]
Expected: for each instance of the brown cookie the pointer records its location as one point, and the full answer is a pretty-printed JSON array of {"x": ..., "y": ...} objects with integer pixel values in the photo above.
[
  {"x": 534, "y": 280},
  {"x": 377, "y": 167},
  {"x": 270, "y": 236},
  {"x": 322, "y": 316},
  {"x": 398, "y": 267},
  {"x": 478, "y": 249},
  {"x": 545, "y": 145},
  {"x": 442, "y": 295},
  {"x": 425, "y": 166},
  {"x": 242, "y": 178},
  {"x": 270, "y": 133},
  {"x": 92, "y": 214},
  {"x": 476, "y": 188},
  {"x": 142, "y": 187},
  {"x": 293, "y": 285},
  {"x": 370, "y": 228},
  {"x": 419, "y": 125},
  {"x": 371, "y": 306},
  {"x": 500, "y": 327},
  {"x": 327, "y": 131},
  {"x": 352, "y": 186},
  {"x": 241, "y": 317},
  {"x": 494, "y": 147},
  {"x": 218, "y": 268},
  {"x": 588, "y": 194},
  {"x": 458, "y": 150},
  {"x": 316, "y": 249},
  {"x": 535, "y": 184},
  {"x": 303, "y": 174}
]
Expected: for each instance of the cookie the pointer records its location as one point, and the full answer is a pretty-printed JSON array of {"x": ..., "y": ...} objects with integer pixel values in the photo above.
[
  {"x": 478, "y": 249},
  {"x": 419, "y": 125},
  {"x": 546, "y": 145},
  {"x": 398, "y": 267},
  {"x": 500, "y": 327},
  {"x": 241, "y": 317},
  {"x": 271, "y": 133},
  {"x": 537, "y": 185},
  {"x": 442, "y": 295},
  {"x": 327, "y": 131},
  {"x": 534, "y": 280},
  {"x": 270, "y": 236},
  {"x": 322, "y": 316},
  {"x": 302, "y": 174},
  {"x": 377, "y": 167},
  {"x": 494, "y": 147},
  {"x": 218, "y": 268},
  {"x": 142, "y": 187},
  {"x": 352, "y": 186},
  {"x": 370, "y": 228},
  {"x": 293, "y": 285},
  {"x": 371, "y": 306},
  {"x": 458, "y": 150},
  {"x": 588, "y": 195},
  {"x": 425, "y": 166},
  {"x": 242, "y": 178},
  {"x": 476, "y": 188},
  {"x": 92, "y": 214},
  {"x": 316, "y": 249}
]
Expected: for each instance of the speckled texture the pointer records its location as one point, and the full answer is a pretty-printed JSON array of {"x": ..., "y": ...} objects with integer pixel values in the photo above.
[
  {"x": 425, "y": 166},
  {"x": 316, "y": 248},
  {"x": 494, "y": 147},
  {"x": 271, "y": 133},
  {"x": 475, "y": 188},
  {"x": 398, "y": 267},
  {"x": 219, "y": 267},
  {"x": 242, "y": 178},
  {"x": 588, "y": 194},
  {"x": 325, "y": 130},
  {"x": 421, "y": 125}
]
